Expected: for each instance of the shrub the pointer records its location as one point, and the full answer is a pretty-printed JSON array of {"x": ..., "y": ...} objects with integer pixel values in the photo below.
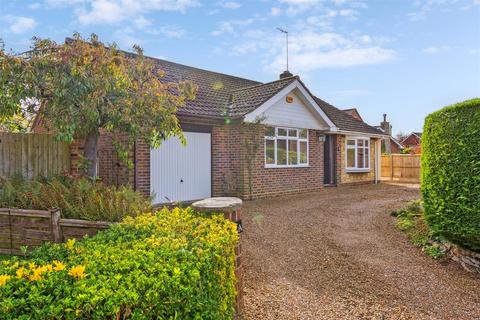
[
  {"x": 76, "y": 198},
  {"x": 451, "y": 173},
  {"x": 167, "y": 265},
  {"x": 411, "y": 220}
]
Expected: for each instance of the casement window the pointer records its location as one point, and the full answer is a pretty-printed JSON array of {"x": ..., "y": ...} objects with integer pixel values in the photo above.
[
  {"x": 286, "y": 147},
  {"x": 358, "y": 154}
]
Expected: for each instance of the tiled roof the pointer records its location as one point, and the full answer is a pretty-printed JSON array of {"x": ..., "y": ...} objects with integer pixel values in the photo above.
[
  {"x": 246, "y": 100},
  {"x": 344, "y": 121},
  {"x": 214, "y": 89},
  {"x": 220, "y": 94}
]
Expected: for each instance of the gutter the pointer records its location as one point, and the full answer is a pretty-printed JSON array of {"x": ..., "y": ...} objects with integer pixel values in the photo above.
[{"x": 346, "y": 132}]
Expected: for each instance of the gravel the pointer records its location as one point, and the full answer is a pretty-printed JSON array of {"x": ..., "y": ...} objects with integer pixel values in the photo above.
[{"x": 336, "y": 254}]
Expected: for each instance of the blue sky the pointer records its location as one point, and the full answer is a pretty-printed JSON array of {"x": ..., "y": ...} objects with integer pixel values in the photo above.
[{"x": 404, "y": 58}]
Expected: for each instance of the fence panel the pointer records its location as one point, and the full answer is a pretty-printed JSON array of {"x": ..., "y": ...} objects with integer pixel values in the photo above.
[
  {"x": 31, "y": 228},
  {"x": 401, "y": 167},
  {"x": 33, "y": 155}
]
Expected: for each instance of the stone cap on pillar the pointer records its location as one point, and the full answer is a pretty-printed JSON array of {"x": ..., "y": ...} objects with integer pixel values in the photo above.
[{"x": 219, "y": 204}]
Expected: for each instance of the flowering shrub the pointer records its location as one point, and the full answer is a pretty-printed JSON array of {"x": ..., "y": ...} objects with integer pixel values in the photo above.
[
  {"x": 76, "y": 198},
  {"x": 167, "y": 265}
]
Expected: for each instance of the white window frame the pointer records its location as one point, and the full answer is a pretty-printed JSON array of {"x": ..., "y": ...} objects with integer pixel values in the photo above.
[
  {"x": 366, "y": 147},
  {"x": 296, "y": 138}
]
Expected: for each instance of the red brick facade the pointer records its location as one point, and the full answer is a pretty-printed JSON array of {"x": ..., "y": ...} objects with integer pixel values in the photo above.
[{"x": 230, "y": 174}]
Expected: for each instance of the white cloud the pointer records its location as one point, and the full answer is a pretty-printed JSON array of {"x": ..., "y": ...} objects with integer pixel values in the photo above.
[
  {"x": 230, "y": 26},
  {"x": 275, "y": 11},
  {"x": 436, "y": 49},
  {"x": 310, "y": 50},
  {"x": 20, "y": 24},
  {"x": 171, "y": 31},
  {"x": 230, "y": 4},
  {"x": 340, "y": 57},
  {"x": 91, "y": 12}
]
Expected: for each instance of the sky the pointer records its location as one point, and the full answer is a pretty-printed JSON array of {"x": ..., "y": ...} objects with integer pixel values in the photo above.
[{"x": 405, "y": 58}]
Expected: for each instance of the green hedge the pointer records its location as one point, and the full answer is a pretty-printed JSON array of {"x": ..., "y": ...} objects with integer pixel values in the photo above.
[
  {"x": 167, "y": 265},
  {"x": 76, "y": 198},
  {"x": 451, "y": 173}
]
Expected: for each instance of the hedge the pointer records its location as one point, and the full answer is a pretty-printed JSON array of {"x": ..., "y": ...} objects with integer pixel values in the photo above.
[
  {"x": 451, "y": 173},
  {"x": 167, "y": 265},
  {"x": 77, "y": 198}
]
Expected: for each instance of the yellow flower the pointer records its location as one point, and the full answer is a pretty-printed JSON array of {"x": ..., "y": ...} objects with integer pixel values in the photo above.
[
  {"x": 4, "y": 278},
  {"x": 35, "y": 276},
  {"x": 32, "y": 265},
  {"x": 77, "y": 272},
  {"x": 59, "y": 266},
  {"x": 20, "y": 272},
  {"x": 37, "y": 273}
]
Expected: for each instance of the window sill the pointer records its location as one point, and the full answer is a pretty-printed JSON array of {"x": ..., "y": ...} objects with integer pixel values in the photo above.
[
  {"x": 357, "y": 170},
  {"x": 286, "y": 166}
]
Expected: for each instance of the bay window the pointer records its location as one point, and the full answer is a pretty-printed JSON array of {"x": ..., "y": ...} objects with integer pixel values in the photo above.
[
  {"x": 286, "y": 147},
  {"x": 358, "y": 154}
]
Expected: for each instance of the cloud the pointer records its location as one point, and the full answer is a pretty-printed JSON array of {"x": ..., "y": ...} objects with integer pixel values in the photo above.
[
  {"x": 230, "y": 26},
  {"x": 310, "y": 50},
  {"x": 170, "y": 31},
  {"x": 34, "y": 6},
  {"x": 229, "y": 4},
  {"x": 19, "y": 24},
  {"x": 275, "y": 11},
  {"x": 93, "y": 12},
  {"x": 436, "y": 49},
  {"x": 423, "y": 7}
]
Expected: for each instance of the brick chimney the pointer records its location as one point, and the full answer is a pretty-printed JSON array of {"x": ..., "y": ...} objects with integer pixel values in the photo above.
[{"x": 285, "y": 74}]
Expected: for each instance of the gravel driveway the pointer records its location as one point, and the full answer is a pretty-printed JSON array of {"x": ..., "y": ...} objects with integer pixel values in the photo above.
[{"x": 336, "y": 254}]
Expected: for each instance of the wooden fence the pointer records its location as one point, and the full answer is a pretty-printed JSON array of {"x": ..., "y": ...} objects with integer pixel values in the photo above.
[
  {"x": 401, "y": 168},
  {"x": 31, "y": 228},
  {"x": 33, "y": 155}
]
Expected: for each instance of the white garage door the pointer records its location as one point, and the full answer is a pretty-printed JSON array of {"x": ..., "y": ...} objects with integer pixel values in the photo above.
[{"x": 181, "y": 173}]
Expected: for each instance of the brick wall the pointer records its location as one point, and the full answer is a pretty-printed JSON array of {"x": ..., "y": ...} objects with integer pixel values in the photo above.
[
  {"x": 344, "y": 177},
  {"x": 231, "y": 174}
]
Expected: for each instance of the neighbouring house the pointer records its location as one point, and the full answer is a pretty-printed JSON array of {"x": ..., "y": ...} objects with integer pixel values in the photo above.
[
  {"x": 354, "y": 113},
  {"x": 389, "y": 144},
  {"x": 305, "y": 143},
  {"x": 413, "y": 142}
]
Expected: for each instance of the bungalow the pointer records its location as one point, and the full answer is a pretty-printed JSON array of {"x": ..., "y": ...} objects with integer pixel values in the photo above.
[{"x": 302, "y": 142}]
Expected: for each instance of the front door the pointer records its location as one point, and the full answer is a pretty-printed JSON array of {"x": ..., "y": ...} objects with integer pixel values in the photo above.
[{"x": 329, "y": 160}]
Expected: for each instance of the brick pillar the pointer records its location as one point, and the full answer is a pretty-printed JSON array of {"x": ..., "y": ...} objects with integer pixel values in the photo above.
[{"x": 231, "y": 209}]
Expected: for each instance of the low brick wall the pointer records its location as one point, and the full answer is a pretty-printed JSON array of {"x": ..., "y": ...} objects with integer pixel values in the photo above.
[
  {"x": 233, "y": 212},
  {"x": 31, "y": 228}
]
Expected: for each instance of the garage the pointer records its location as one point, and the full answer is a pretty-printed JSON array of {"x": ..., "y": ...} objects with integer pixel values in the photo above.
[{"x": 181, "y": 172}]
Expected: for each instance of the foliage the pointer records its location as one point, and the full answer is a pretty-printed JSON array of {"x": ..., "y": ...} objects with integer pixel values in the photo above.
[
  {"x": 85, "y": 86},
  {"x": 76, "y": 198},
  {"x": 252, "y": 140},
  {"x": 167, "y": 265},
  {"x": 411, "y": 220},
  {"x": 451, "y": 173}
]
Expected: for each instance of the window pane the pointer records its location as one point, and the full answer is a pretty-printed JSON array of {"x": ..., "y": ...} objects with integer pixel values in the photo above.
[
  {"x": 303, "y": 133},
  {"x": 303, "y": 152},
  {"x": 282, "y": 132},
  {"x": 292, "y": 132},
  {"x": 292, "y": 152},
  {"x": 281, "y": 151},
  {"x": 367, "y": 143},
  {"x": 367, "y": 158},
  {"x": 270, "y": 151},
  {"x": 360, "y": 159},
  {"x": 351, "y": 158},
  {"x": 350, "y": 142},
  {"x": 360, "y": 142},
  {"x": 270, "y": 132}
]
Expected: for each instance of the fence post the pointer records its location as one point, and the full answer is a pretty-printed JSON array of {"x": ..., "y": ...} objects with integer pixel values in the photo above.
[
  {"x": 55, "y": 217},
  {"x": 391, "y": 167}
]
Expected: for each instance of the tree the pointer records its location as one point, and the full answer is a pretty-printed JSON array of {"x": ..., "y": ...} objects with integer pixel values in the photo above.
[{"x": 85, "y": 87}]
